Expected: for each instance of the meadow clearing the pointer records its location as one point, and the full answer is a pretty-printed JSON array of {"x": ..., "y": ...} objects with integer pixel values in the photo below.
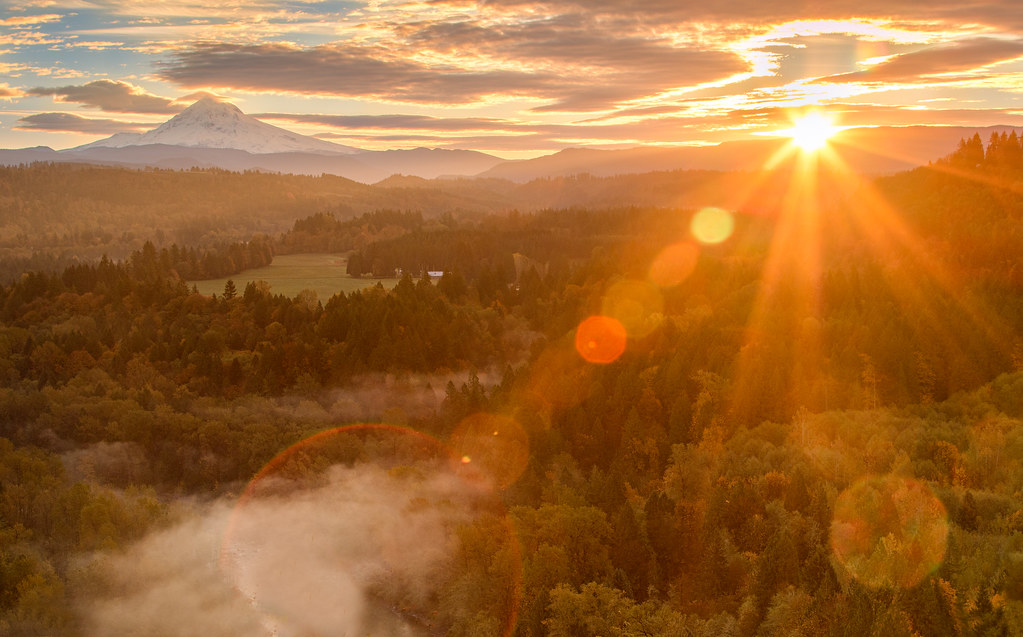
[{"x": 289, "y": 274}]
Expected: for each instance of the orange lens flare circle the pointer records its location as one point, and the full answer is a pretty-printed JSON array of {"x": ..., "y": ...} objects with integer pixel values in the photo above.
[
  {"x": 496, "y": 446},
  {"x": 889, "y": 531},
  {"x": 358, "y": 529},
  {"x": 674, "y": 264},
  {"x": 600, "y": 339}
]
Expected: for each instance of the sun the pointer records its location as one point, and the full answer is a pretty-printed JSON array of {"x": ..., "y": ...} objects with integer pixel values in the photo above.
[{"x": 811, "y": 131}]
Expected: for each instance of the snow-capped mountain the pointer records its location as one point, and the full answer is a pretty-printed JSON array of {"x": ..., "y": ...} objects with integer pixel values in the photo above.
[
  {"x": 212, "y": 124},
  {"x": 212, "y": 134}
]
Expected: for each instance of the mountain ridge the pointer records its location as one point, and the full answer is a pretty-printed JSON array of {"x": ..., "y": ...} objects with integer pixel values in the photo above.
[{"x": 216, "y": 134}]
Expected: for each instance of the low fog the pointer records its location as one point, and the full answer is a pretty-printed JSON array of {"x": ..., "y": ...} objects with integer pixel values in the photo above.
[
  {"x": 362, "y": 552},
  {"x": 392, "y": 398},
  {"x": 372, "y": 396}
]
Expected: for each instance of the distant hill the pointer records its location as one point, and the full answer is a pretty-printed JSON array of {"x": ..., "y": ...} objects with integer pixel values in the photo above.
[
  {"x": 29, "y": 156},
  {"x": 871, "y": 151}
]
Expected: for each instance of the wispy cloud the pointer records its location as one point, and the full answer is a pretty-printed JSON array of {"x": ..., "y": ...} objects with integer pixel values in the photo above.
[
  {"x": 995, "y": 12},
  {"x": 398, "y": 122},
  {"x": 24, "y": 20},
  {"x": 71, "y": 123},
  {"x": 23, "y": 38},
  {"x": 190, "y": 8},
  {"x": 7, "y": 92},
  {"x": 341, "y": 70},
  {"x": 110, "y": 96},
  {"x": 870, "y": 114},
  {"x": 925, "y": 64},
  {"x": 571, "y": 68},
  {"x": 19, "y": 70}
]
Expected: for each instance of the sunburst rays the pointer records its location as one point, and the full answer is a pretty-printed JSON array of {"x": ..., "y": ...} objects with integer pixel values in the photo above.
[{"x": 824, "y": 212}]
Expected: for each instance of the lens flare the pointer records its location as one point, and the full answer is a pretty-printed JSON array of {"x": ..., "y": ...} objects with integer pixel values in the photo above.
[
  {"x": 637, "y": 305},
  {"x": 496, "y": 446},
  {"x": 889, "y": 531},
  {"x": 600, "y": 339},
  {"x": 674, "y": 264},
  {"x": 712, "y": 225}
]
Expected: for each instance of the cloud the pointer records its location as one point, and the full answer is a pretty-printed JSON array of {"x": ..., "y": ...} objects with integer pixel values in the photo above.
[
  {"x": 7, "y": 92},
  {"x": 601, "y": 63},
  {"x": 575, "y": 64},
  {"x": 868, "y": 115},
  {"x": 15, "y": 69},
  {"x": 24, "y": 38},
  {"x": 510, "y": 135},
  {"x": 994, "y": 12},
  {"x": 397, "y": 122},
  {"x": 110, "y": 96},
  {"x": 483, "y": 143},
  {"x": 925, "y": 64},
  {"x": 70, "y": 123},
  {"x": 337, "y": 69},
  {"x": 98, "y": 45},
  {"x": 153, "y": 10},
  {"x": 24, "y": 20},
  {"x": 884, "y": 115}
]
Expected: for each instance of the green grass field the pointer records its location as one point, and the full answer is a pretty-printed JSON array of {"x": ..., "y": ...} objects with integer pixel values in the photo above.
[{"x": 289, "y": 274}]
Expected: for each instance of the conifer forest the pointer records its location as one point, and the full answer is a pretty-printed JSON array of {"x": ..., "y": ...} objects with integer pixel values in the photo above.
[{"x": 589, "y": 405}]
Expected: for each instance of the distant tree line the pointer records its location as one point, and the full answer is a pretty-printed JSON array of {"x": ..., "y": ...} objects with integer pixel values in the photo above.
[
  {"x": 1002, "y": 157},
  {"x": 53, "y": 215}
]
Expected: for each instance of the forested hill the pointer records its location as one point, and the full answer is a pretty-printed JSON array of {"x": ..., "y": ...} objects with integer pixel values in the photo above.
[
  {"x": 52, "y": 215},
  {"x": 666, "y": 489},
  {"x": 90, "y": 211}
]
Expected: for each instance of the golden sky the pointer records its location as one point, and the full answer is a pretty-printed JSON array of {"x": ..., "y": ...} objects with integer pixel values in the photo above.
[{"x": 511, "y": 77}]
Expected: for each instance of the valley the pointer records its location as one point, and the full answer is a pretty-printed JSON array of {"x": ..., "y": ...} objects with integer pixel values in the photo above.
[{"x": 678, "y": 418}]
